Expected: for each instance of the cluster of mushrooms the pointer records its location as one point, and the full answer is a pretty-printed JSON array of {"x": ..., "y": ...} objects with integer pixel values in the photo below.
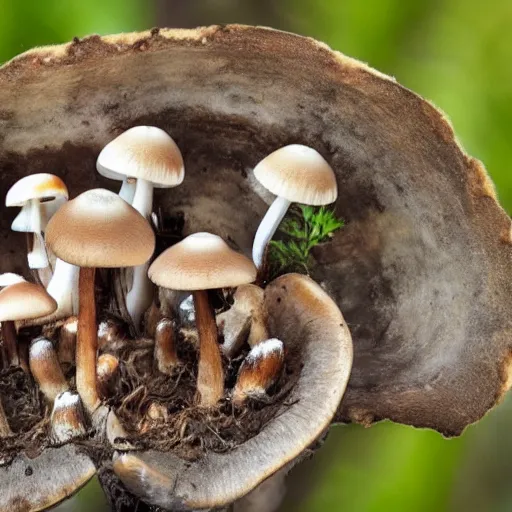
[{"x": 69, "y": 239}]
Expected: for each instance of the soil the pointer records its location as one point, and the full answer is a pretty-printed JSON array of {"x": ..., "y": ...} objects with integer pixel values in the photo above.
[{"x": 188, "y": 431}]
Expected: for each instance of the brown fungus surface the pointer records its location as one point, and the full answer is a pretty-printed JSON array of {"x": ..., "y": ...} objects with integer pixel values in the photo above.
[{"x": 422, "y": 269}]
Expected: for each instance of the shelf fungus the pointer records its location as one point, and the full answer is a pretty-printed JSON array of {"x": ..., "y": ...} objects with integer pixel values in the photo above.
[{"x": 421, "y": 270}]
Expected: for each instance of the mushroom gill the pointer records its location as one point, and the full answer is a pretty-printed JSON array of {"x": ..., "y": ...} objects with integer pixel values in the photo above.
[{"x": 319, "y": 353}]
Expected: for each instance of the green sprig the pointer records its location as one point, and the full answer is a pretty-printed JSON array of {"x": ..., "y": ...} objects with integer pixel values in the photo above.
[{"x": 303, "y": 228}]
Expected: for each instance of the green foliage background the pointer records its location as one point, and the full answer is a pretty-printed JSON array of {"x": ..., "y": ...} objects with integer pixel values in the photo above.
[{"x": 457, "y": 53}]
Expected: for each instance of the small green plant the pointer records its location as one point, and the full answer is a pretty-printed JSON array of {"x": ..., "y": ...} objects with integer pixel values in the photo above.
[{"x": 303, "y": 228}]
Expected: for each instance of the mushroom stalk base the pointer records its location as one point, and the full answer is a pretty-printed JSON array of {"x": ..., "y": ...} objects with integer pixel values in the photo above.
[
  {"x": 267, "y": 228},
  {"x": 5, "y": 430},
  {"x": 210, "y": 377},
  {"x": 87, "y": 341},
  {"x": 10, "y": 347}
]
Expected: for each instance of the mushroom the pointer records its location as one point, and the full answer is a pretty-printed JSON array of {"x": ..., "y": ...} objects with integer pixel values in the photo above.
[
  {"x": 244, "y": 320},
  {"x": 21, "y": 301},
  {"x": 45, "y": 367},
  {"x": 259, "y": 370},
  {"x": 96, "y": 229},
  {"x": 151, "y": 156},
  {"x": 107, "y": 371},
  {"x": 67, "y": 418},
  {"x": 40, "y": 196},
  {"x": 293, "y": 173},
  {"x": 166, "y": 357},
  {"x": 30, "y": 484},
  {"x": 300, "y": 314},
  {"x": 201, "y": 262},
  {"x": 67, "y": 340}
]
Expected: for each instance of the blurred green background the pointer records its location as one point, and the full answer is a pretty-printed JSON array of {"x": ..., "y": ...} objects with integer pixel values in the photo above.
[{"x": 458, "y": 54}]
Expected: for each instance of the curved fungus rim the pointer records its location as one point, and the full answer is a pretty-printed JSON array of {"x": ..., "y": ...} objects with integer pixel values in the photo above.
[
  {"x": 425, "y": 290},
  {"x": 312, "y": 329},
  {"x": 34, "y": 484}
]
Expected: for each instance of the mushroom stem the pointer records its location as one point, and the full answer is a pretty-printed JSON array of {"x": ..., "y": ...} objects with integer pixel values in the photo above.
[
  {"x": 140, "y": 296},
  {"x": 5, "y": 430},
  {"x": 29, "y": 220},
  {"x": 267, "y": 228},
  {"x": 45, "y": 367},
  {"x": 9, "y": 338},
  {"x": 87, "y": 341},
  {"x": 62, "y": 288},
  {"x": 210, "y": 377},
  {"x": 143, "y": 197},
  {"x": 127, "y": 190},
  {"x": 67, "y": 340},
  {"x": 107, "y": 371},
  {"x": 165, "y": 346}
]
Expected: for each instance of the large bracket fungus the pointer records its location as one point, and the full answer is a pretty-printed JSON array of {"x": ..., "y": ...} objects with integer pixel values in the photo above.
[{"x": 421, "y": 272}]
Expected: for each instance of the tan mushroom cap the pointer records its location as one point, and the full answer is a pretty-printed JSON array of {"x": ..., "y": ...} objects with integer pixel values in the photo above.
[
  {"x": 24, "y": 301},
  {"x": 298, "y": 173},
  {"x": 36, "y": 186},
  {"x": 201, "y": 261},
  {"x": 99, "y": 229},
  {"x": 143, "y": 152}
]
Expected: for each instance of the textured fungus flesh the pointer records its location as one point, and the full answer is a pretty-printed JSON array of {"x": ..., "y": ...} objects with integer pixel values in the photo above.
[{"x": 422, "y": 270}]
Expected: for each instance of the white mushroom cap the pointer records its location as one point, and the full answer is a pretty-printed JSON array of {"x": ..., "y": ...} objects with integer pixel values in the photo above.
[
  {"x": 201, "y": 261},
  {"x": 299, "y": 174},
  {"x": 143, "y": 152},
  {"x": 99, "y": 229},
  {"x": 24, "y": 301},
  {"x": 10, "y": 278},
  {"x": 36, "y": 186}
]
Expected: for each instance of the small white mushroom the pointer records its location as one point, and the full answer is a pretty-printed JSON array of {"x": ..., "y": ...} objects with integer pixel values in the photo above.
[
  {"x": 40, "y": 196},
  {"x": 244, "y": 321},
  {"x": 151, "y": 156},
  {"x": 295, "y": 174}
]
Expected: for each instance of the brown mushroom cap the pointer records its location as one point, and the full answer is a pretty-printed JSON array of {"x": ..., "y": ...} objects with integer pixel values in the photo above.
[
  {"x": 32, "y": 484},
  {"x": 301, "y": 314},
  {"x": 99, "y": 229},
  {"x": 201, "y": 261},
  {"x": 298, "y": 173},
  {"x": 24, "y": 301},
  {"x": 422, "y": 268}
]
